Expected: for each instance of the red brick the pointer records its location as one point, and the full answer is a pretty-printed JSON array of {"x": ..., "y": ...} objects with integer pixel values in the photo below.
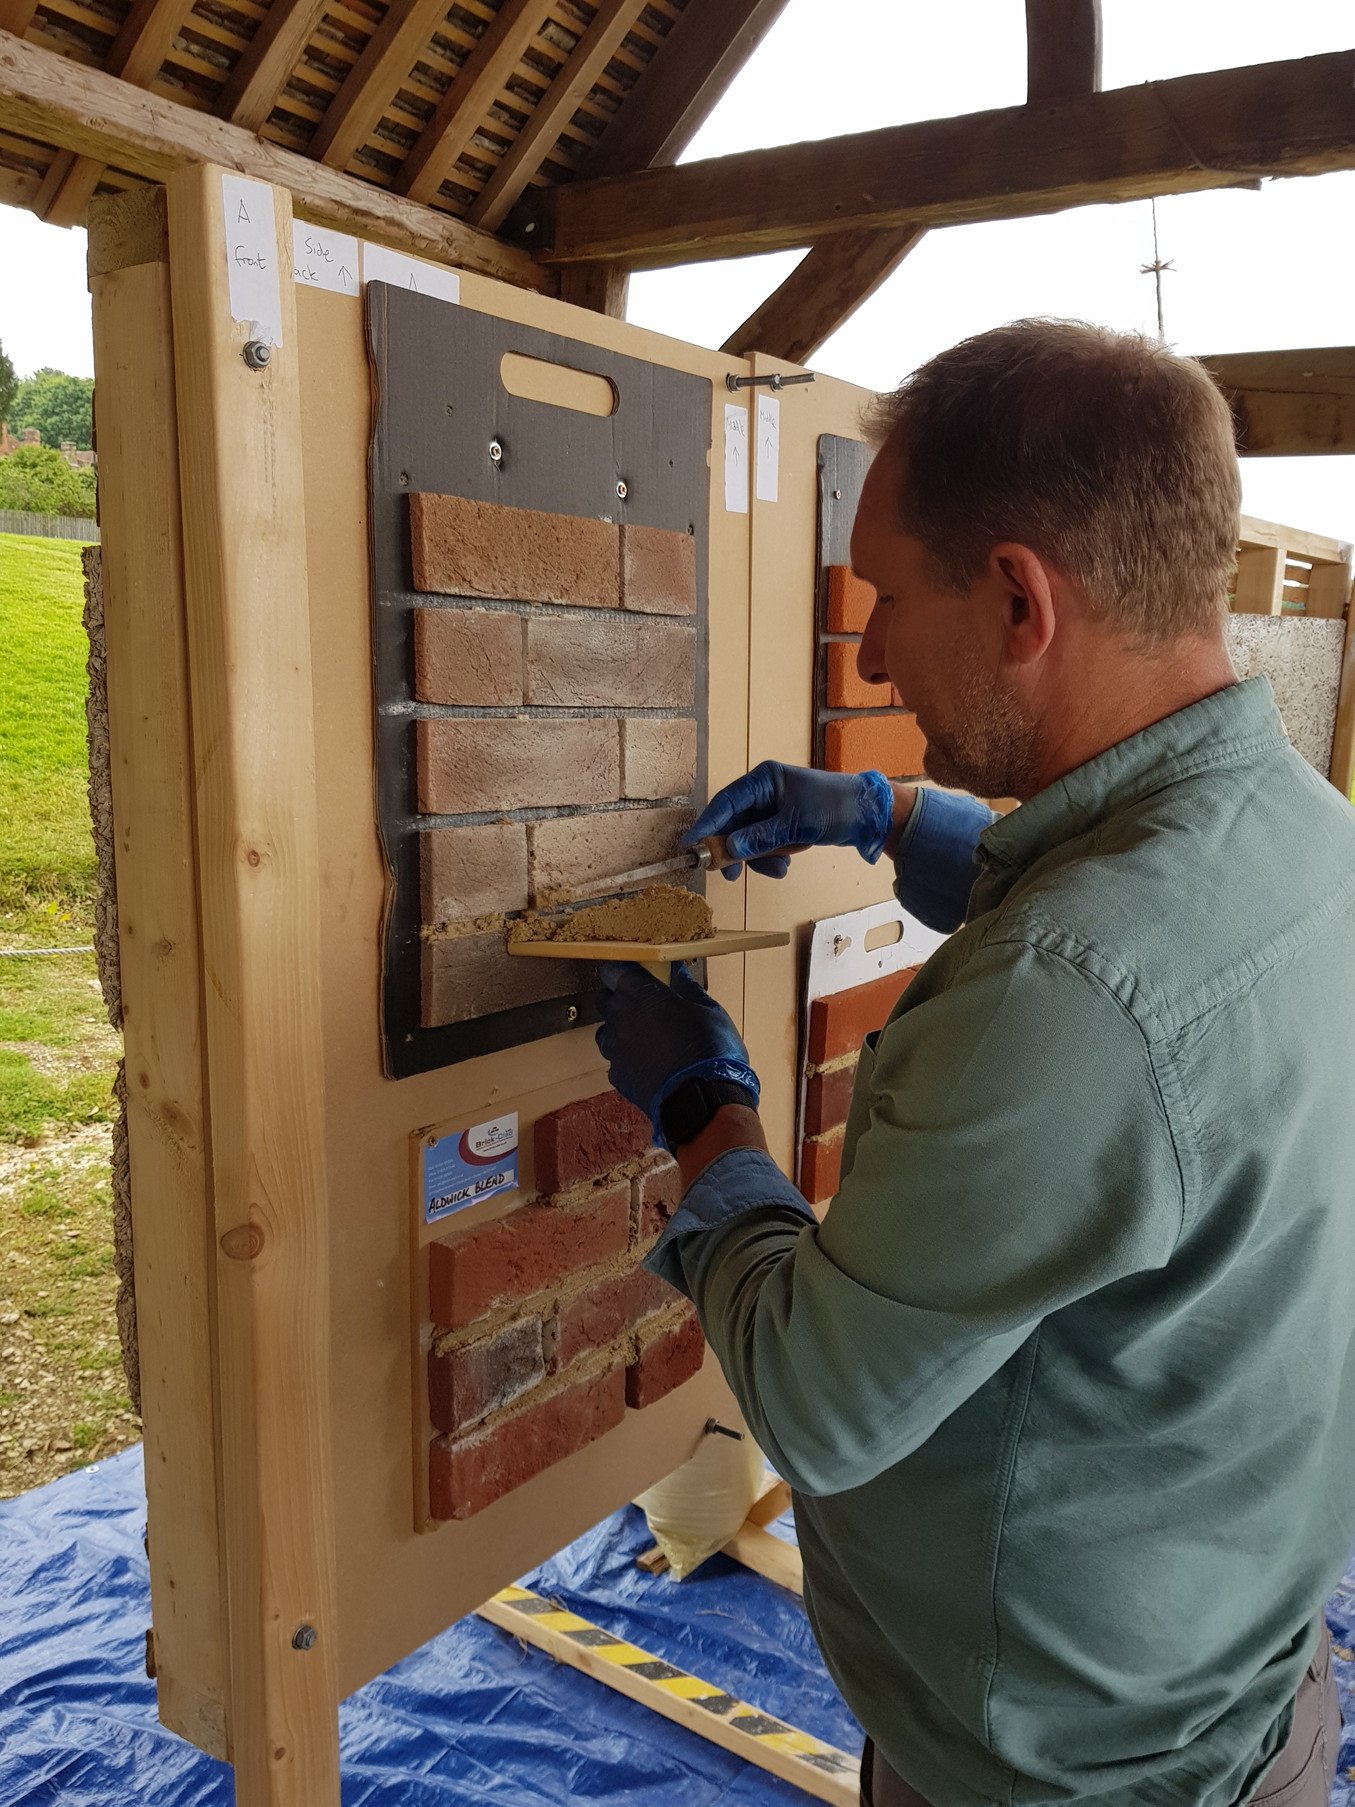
[
  {"x": 467, "y": 1474},
  {"x": 658, "y": 757},
  {"x": 828, "y": 1098},
  {"x": 468, "y": 656},
  {"x": 469, "y": 1383},
  {"x": 658, "y": 1193},
  {"x": 846, "y": 688},
  {"x": 467, "y": 976},
  {"x": 850, "y": 601},
  {"x": 892, "y": 744},
  {"x": 820, "y": 1166},
  {"x": 610, "y": 662},
  {"x": 468, "y": 766},
  {"x": 569, "y": 852},
  {"x": 586, "y": 1139},
  {"x": 658, "y": 571},
  {"x": 463, "y": 548},
  {"x": 473, "y": 871},
  {"x": 603, "y": 1312},
  {"x": 839, "y": 1025},
  {"x": 664, "y": 1361},
  {"x": 529, "y": 1251}
]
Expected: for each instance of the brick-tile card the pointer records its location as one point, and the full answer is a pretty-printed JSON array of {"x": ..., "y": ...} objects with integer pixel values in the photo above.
[
  {"x": 567, "y": 853},
  {"x": 471, "y": 657},
  {"x": 464, "y": 548},
  {"x": 473, "y": 871},
  {"x": 609, "y": 662},
  {"x": 658, "y": 756},
  {"x": 658, "y": 571}
]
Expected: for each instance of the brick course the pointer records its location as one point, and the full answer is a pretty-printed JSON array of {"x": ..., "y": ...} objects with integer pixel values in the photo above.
[
  {"x": 588, "y": 1138},
  {"x": 658, "y": 1193},
  {"x": 850, "y": 601},
  {"x": 602, "y": 1312},
  {"x": 465, "y": 976},
  {"x": 532, "y": 1249},
  {"x": 471, "y": 657},
  {"x": 846, "y": 688},
  {"x": 892, "y": 744},
  {"x": 658, "y": 757},
  {"x": 568, "y": 853},
  {"x": 658, "y": 571},
  {"x": 839, "y": 1025},
  {"x": 466, "y": 1384},
  {"x": 664, "y": 1361},
  {"x": 464, "y": 548},
  {"x": 465, "y": 767},
  {"x": 474, "y": 871},
  {"x": 610, "y": 662}
]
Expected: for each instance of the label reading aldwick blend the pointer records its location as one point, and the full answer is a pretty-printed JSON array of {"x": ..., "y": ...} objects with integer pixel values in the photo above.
[{"x": 465, "y": 1167}]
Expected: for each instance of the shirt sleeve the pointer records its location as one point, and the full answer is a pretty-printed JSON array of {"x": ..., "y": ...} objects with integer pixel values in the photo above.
[
  {"x": 934, "y": 863},
  {"x": 1017, "y": 1158}
]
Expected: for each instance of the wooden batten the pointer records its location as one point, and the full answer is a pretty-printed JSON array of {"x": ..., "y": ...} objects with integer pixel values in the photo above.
[{"x": 1290, "y": 403}]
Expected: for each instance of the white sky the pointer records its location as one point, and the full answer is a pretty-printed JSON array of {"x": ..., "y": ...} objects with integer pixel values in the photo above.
[{"x": 1252, "y": 270}]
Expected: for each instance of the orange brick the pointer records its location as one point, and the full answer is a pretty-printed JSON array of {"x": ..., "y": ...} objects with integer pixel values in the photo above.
[
  {"x": 892, "y": 744},
  {"x": 847, "y": 689},
  {"x": 850, "y": 601},
  {"x": 839, "y": 1025},
  {"x": 467, "y": 765},
  {"x": 464, "y": 548},
  {"x": 820, "y": 1164}
]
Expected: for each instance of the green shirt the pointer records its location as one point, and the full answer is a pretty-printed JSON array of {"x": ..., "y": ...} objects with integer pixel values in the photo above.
[{"x": 1063, "y": 1383}]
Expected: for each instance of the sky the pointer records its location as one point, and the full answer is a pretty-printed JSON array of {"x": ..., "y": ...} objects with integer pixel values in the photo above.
[{"x": 1251, "y": 270}]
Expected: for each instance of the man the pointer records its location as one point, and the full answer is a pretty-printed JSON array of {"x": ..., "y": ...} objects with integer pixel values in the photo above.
[{"x": 1063, "y": 1383}]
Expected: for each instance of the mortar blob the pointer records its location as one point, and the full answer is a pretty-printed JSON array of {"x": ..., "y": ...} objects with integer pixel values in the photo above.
[{"x": 662, "y": 913}]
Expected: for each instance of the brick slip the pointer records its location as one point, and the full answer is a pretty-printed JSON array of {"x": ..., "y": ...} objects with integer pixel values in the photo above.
[
  {"x": 588, "y": 1138},
  {"x": 474, "y": 975},
  {"x": 610, "y": 663},
  {"x": 570, "y": 851},
  {"x": 850, "y": 601},
  {"x": 468, "y": 766},
  {"x": 532, "y": 1248},
  {"x": 658, "y": 1193},
  {"x": 658, "y": 571},
  {"x": 468, "y": 1474},
  {"x": 658, "y": 758},
  {"x": 463, "y": 548},
  {"x": 892, "y": 744},
  {"x": 473, "y": 871},
  {"x": 839, "y": 1025},
  {"x": 602, "y": 1312},
  {"x": 828, "y": 1098},
  {"x": 821, "y": 1166},
  {"x": 664, "y": 1362},
  {"x": 847, "y": 689},
  {"x": 468, "y": 656},
  {"x": 469, "y": 1383}
]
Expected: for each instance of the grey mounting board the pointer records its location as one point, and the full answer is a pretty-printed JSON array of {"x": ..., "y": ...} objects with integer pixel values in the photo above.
[
  {"x": 842, "y": 472},
  {"x": 439, "y": 405}
]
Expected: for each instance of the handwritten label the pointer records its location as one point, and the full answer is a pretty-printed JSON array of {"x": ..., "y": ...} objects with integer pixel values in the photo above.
[
  {"x": 382, "y": 265},
  {"x": 322, "y": 259},
  {"x": 736, "y": 459},
  {"x": 768, "y": 447},
  {"x": 254, "y": 279},
  {"x": 464, "y": 1169}
]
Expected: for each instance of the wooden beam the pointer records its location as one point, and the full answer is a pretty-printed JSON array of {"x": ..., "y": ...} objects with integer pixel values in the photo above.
[
  {"x": 1063, "y": 49},
  {"x": 390, "y": 54},
  {"x": 17, "y": 15},
  {"x": 557, "y": 106},
  {"x": 1342, "y": 772},
  {"x": 604, "y": 288},
  {"x": 253, "y": 86},
  {"x": 1175, "y": 137},
  {"x": 1286, "y": 403},
  {"x": 57, "y": 100},
  {"x": 464, "y": 105},
  {"x": 824, "y": 289}
]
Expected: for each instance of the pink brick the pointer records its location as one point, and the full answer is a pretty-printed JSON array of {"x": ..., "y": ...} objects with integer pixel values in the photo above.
[
  {"x": 568, "y": 853},
  {"x": 603, "y": 1312},
  {"x": 658, "y": 757},
  {"x": 529, "y": 1251},
  {"x": 466, "y": 1384},
  {"x": 473, "y": 871},
  {"x": 468, "y": 656},
  {"x": 463, "y": 548},
  {"x": 469, "y": 1473},
  {"x": 658, "y": 1193},
  {"x": 658, "y": 571},
  {"x": 467, "y": 976},
  {"x": 664, "y": 1361},
  {"x": 588, "y": 1138},
  {"x": 609, "y": 662},
  {"x": 468, "y": 766},
  {"x": 828, "y": 1098}
]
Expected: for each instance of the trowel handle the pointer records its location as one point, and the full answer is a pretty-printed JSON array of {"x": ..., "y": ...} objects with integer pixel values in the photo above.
[{"x": 712, "y": 855}]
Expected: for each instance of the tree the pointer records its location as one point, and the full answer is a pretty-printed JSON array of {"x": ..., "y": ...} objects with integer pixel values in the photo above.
[
  {"x": 37, "y": 480},
  {"x": 61, "y": 407},
  {"x": 8, "y": 384}
]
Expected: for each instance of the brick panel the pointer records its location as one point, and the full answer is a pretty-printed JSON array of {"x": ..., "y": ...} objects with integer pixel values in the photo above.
[
  {"x": 471, "y": 657},
  {"x": 839, "y": 1025},
  {"x": 463, "y": 548},
  {"x": 588, "y": 1138},
  {"x": 892, "y": 744},
  {"x": 569, "y": 853},
  {"x": 821, "y": 1166},
  {"x": 658, "y": 571},
  {"x": 603, "y": 1312},
  {"x": 658, "y": 757},
  {"x": 850, "y": 601},
  {"x": 658, "y": 1193},
  {"x": 473, "y": 871},
  {"x": 828, "y": 1098},
  {"x": 610, "y": 662},
  {"x": 467, "y": 1474},
  {"x": 847, "y": 689},
  {"x": 665, "y": 1361},
  {"x": 467, "y": 1384},
  {"x": 468, "y": 766},
  {"x": 466, "y": 976},
  {"x": 528, "y": 1251}
]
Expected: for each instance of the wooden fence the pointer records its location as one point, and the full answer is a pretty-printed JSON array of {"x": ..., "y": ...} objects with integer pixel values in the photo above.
[{"x": 48, "y": 526}]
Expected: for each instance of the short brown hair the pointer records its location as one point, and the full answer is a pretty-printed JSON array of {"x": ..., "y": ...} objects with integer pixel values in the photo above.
[{"x": 1104, "y": 452}]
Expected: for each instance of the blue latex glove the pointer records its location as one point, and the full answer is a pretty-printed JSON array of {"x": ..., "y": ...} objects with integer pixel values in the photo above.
[
  {"x": 653, "y": 1036},
  {"x": 778, "y": 809}
]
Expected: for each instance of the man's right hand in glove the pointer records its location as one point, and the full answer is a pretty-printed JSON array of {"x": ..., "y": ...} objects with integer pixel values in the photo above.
[{"x": 777, "y": 810}]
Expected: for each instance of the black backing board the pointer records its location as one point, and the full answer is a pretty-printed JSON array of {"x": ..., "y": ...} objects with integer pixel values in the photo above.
[{"x": 842, "y": 471}]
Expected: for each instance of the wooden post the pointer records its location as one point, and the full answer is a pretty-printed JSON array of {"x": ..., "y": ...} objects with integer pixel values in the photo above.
[
  {"x": 1260, "y": 581},
  {"x": 254, "y": 769}
]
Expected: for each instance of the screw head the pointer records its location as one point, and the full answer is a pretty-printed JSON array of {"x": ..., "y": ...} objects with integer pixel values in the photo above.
[
  {"x": 303, "y": 1638},
  {"x": 495, "y": 452},
  {"x": 257, "y": 353},
  {"x": 622, "y": 491},
  {"x": 572, "y": 1013}
]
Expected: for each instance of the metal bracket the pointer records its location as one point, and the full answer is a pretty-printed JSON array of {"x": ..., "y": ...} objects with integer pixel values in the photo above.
[{"x": 775, "y": 381}]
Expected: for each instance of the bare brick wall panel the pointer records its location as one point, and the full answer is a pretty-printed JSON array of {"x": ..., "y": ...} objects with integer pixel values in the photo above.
[
  {"x": 892, "y": 744},
  {"x": 603, "y": 1312},
  {"x": 838, "y": 1025},
  {"x": 572, "y": 851},
  {"x": 828, "y": 1098},
  {"x": 846, "y": 688},
  {"x": 465, "y": 767},
  {"x": 466, "y": 976},
  {"x": 532, "y": 1249},
  {"x": 467, "y": 1384},
  {"x": 471, "y": 657},
  {"x": 658, "y": 571},
  {"x": 473, "y": 871},
  {"x": 658, "y": 757},
  {"x": 586, "y": 1139},
  {"x": 464, "y": 548},
  {"x": 610, "y": 663},
  {"x": 850, "y": 601},
  {"x": 664, "y": 1362}
]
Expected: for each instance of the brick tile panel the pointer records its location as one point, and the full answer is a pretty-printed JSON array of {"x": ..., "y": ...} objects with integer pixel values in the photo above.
[
  {"x": 467, "y": 976},
  {"x": 850, "y": 601},
  {"x": 664, "y": 1361},
  {"x": 586, "y": 1139},
  {"x": 467, "y": 1384},
  {"x": 532, "y": 1249},
  {"x": 828, "y": 1098},
  {"x": 469, "y": 766},
  {"x": 475, "y": 871},
  {"x": 567, "y": 853},
  {"x": 658, "y": 571},
  {"x": 609, "y": 662},
  {"x": 838, "y": 1025},
  {"x": 658, "y": 757},
  {"x": 471, "y": 657},
  {"x": 892, "y": 744},
  {"x": 464, "y": 548}
]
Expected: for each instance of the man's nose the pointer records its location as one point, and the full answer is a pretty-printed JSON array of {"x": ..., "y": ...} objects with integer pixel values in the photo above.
[{"x": 870, "y": 655}]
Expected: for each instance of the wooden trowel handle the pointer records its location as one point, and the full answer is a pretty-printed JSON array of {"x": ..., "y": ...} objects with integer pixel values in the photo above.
[{"x": 712, "y": 853}]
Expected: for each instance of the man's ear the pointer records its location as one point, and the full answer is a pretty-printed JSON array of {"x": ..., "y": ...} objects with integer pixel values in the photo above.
[{"x": 1025, "y": 586}]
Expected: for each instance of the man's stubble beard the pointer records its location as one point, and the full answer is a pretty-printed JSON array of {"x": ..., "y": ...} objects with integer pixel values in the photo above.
[{"x": 990, "y": 747}]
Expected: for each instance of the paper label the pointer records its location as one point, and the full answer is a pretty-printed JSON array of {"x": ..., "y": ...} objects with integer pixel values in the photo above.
[
  {"x": 379, "y": 264},
  {"x": 736, "y": 459},
  {"x": 768, "y": 447},
  {"x": 254, "y": 280},
  {"x": 322, "y": 259},
  {"x": 473, "y": 1164}
]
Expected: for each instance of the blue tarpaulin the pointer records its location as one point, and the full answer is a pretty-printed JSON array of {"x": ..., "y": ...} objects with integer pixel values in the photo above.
[{"x": 472, "y": 1718}]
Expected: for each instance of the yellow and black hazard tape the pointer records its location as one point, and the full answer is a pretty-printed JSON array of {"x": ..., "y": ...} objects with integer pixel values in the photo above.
[{"x": 819, "y": 1768}]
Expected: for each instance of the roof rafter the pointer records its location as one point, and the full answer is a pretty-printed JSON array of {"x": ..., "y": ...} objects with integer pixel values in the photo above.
[
  {"x": 253, "y": 86},
  {"x": 1063, "y": 48},
  {"x": 17, "y": 15},
  {"x": 391, "y": 52}
]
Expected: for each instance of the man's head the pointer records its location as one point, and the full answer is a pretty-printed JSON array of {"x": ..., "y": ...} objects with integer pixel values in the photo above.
[{"x": 1050, "y": 522}]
